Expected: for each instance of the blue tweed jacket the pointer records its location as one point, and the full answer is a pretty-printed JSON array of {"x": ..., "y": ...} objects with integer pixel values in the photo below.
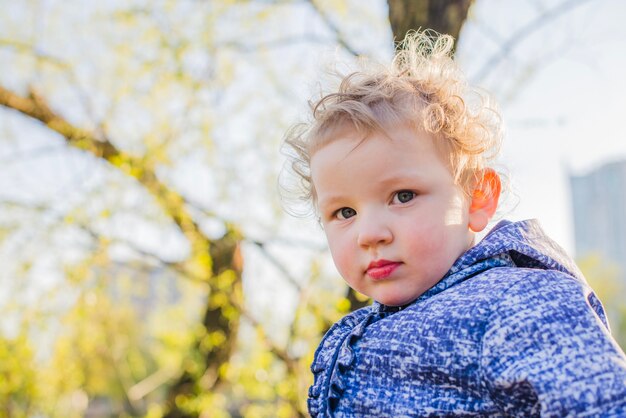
[{"x": 511, "y": 330}]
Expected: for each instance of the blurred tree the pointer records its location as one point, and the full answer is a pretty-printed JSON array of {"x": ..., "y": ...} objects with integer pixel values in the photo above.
[
  {"x": 224, "y": 279},
  {"x": 143, "y": 77}
]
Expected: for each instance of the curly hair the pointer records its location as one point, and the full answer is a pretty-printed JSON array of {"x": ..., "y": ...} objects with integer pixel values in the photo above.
[{"x": 424, "y": 87}]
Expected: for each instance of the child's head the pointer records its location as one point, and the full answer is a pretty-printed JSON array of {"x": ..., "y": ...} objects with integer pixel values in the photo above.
[{"x": 395, "y": 163}]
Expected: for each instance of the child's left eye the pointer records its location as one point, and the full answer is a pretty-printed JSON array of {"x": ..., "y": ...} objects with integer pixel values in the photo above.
[{"x": 403, "y": 196}]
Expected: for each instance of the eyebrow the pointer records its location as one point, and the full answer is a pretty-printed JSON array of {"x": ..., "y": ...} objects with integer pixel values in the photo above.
[
  {"x": 329, "y": 201},
  {"x": 400, "y": 177},
  {"x": 413, "y": 177}
]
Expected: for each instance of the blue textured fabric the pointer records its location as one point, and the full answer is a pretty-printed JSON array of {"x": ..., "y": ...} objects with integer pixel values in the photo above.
[{"x": 511, "y": 330}]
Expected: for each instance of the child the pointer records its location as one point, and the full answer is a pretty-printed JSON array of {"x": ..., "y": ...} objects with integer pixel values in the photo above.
[{"x": 396, "y": 164}]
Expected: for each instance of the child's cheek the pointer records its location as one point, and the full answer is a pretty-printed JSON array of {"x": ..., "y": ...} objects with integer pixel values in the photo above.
[
  {"x": 343, "y": 255},
  {"x": 425, "y": 239}
]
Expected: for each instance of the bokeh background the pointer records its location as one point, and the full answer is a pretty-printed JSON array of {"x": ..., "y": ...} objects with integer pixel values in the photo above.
[{"x": 147, "y": 267}]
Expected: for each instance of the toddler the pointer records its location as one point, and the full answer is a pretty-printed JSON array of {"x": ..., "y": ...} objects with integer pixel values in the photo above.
[{"x": 396, "y": 164}]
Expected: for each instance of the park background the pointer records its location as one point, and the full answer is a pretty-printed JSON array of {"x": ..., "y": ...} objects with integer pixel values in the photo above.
[{"x": 148, "y": 267}]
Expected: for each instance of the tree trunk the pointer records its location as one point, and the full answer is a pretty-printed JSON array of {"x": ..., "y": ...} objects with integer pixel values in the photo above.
[
  {"x": 207, "y": 360},
  {"x": 444, "y": 16}
]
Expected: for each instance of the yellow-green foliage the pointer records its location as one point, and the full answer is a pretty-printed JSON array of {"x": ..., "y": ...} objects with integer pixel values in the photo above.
[{"x": 18, "y": 377}]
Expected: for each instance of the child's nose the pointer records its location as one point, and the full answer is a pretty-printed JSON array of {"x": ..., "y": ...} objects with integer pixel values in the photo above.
[{"x": 373, "y": 233}]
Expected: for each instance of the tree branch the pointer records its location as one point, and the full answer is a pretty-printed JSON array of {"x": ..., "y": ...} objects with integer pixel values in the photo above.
[
  {"x": 24, "y": 47},
  {"x": 292, "y": 280},
  {"x": 522, "y": 33},
  {"x": 286, "y": 41},
  {"x": 341, "y": 40},
  {"x": 35, "y": 107}
]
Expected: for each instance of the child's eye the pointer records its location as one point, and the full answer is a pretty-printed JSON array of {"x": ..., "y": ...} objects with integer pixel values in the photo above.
[
  {"x": 403, "y": 196},
  {"x": 345, "y": 213}
]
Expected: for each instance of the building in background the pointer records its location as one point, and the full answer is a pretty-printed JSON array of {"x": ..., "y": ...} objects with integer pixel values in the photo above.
[{"x": 599, "y": 206}]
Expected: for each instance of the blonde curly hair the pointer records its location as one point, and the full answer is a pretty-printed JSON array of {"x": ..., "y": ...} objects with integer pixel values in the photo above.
[{"x": 424, "y": 87}]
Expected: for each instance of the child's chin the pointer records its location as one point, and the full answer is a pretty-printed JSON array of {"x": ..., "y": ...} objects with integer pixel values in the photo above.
[{"x": 395, "y": 301}]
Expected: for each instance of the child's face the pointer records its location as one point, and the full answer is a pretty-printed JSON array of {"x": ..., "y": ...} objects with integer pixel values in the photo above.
[{"x": 394, "y": 218}]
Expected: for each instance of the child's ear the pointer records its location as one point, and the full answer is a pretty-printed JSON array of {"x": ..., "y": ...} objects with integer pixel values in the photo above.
[{"x": 484, "y": 201}]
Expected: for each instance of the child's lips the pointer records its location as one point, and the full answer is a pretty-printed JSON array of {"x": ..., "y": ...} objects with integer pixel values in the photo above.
[{"x": 381, "y": 269}]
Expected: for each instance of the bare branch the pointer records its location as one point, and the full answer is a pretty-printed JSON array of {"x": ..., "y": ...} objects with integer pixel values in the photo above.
[
  {"x": 34, "y": 52},
  {"x": 341, "y": 40},
  {"x": 142, "y": 388},
  {"x": 292, "y": 280},
  {"x": 522, "y": 33},
  {"x": 302, "y": 291},
  {"x": 45, "y": 58},
  {"x": 35, "y": 106},
  {"x": 274, "y": 349},
  {"x": 10, "y": 202},
  {"x": 274, "y": 43},
  {"x": 296, "y": 242}
]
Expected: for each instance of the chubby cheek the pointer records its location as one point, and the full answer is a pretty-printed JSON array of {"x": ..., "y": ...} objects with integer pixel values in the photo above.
[
  {"x": 446, "y": 230},
  {"x": 427, "y": 244},
  {"x": 442, "y": 249},
  {"x": 344, "y": 255}
]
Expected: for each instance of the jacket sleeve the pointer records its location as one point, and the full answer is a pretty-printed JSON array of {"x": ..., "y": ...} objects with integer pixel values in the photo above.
[{"x": 547, "y": 352}]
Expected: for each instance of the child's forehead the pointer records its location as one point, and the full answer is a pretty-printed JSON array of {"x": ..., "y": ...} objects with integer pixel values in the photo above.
[
  {"x": 396, "y": 135},
  {"x": 341, "y": 149}
]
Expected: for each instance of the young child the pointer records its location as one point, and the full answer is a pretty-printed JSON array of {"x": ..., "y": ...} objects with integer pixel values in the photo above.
[{"x": 396, "y": 165}]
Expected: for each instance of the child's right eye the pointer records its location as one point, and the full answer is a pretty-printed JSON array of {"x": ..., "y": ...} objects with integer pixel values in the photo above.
[{"x": 345, "y": 213}]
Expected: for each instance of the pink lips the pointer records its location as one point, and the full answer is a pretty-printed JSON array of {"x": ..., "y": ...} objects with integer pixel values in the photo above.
[{"x": 381, "y": 269}]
